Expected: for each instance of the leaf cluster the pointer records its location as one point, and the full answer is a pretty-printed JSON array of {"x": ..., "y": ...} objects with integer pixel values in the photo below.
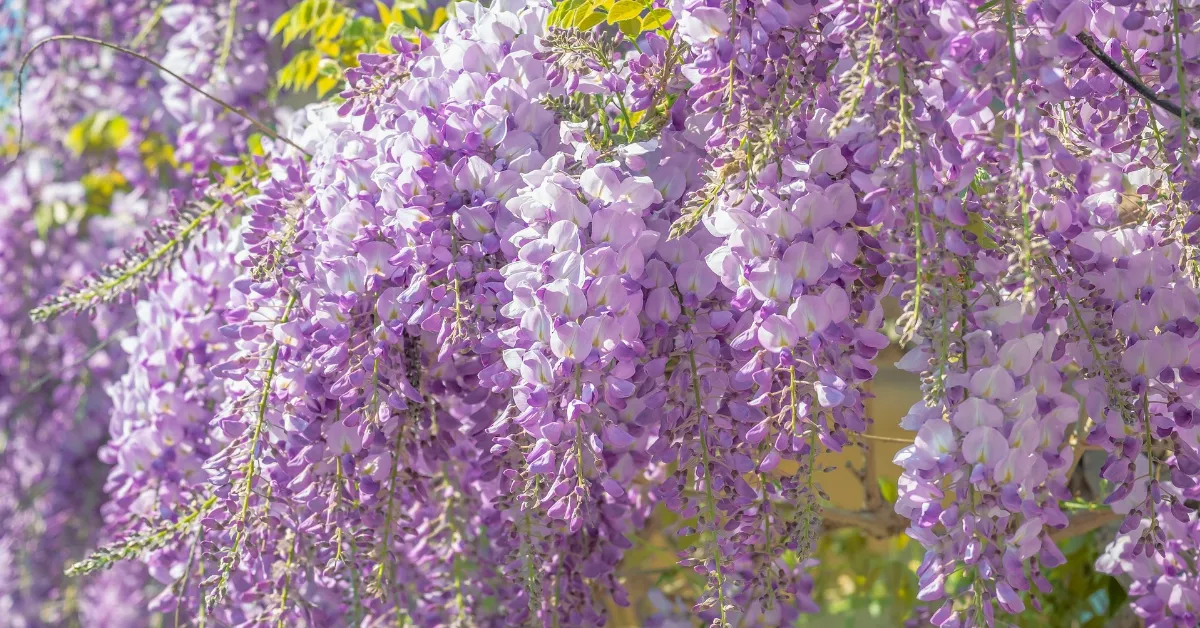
[
  {"x": 336, "y": 35},
  {"x": 98, "y": 137},
  {"x": 633, "y": 17}
]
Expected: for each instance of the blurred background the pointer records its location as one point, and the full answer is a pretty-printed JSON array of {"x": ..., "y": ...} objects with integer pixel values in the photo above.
[{"x": 866, "y": 576}]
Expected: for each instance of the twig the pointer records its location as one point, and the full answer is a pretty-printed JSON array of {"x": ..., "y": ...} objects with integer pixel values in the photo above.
[
  {"x": 871, "y": 492},
  {"x": 1189, "y": 118},
  {"x": 884, "y": 523},
  {"x": 137, "y": 55},
  {"x": 888, "y": 439},
  {"x": 881, "y": 523},
  {"x": 1083, "y": 522},
  {"x": 97, "y": 348}
]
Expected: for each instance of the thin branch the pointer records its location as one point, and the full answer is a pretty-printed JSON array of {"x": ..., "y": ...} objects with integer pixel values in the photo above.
[
  {"x": 1189, "y": 118},
  {"x": 137, "y": 55},
  {"x": 881, "y": 523},
  {"x": 97, "y": 348},
  {"x": 1083, "y": 522},
  {"x": 884, "y": 523},
  {"x": 870, "y": 475},
  {"x": 887, "y": 439}
]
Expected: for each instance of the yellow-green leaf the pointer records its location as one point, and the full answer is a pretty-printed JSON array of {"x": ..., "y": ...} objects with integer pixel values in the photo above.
[
  {"x": 566, "y": 13},
  {"x": 325, "y": 84},
  {"x": 631, "y": 27},
  {"x": 577, "y": 16},
  {"x": 976, "y": 225},
  {"x": 625, "y": 10},
  {"x": 590, "y": 20},
  {"x": 117, "y": 131},
  {"x": 385, "y": 15},
  {"x": 655, "y": 19},
  {"x": 439, "y": 18},
  {"x": 75, "y": 139},
  {"x": 286, "y": 74},
  {"x": 321, "y": 9},
  {"x": 331, "y": 26},
  {"x": 305, "y": 16},
  {"x": 311, "y": 67},
  {"x": 280, "y": 23},
  {"x": 254, "y": 143},
  {"x": 292, "y": 32}
]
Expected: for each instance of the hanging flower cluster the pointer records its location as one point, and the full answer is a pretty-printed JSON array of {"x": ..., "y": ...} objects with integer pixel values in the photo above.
[
  {"x": 94, "y": 167},
  {"x": 527, "y": 284}
]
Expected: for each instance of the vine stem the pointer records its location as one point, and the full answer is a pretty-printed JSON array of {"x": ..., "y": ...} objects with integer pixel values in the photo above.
[
  {"x": 1026, "y": 228},
  {"x": 251, "y": 464},
  {"x": 1096, "y": 355},
  {"x": 872, "y": 52},
  {"x": 708, "y": 493},
  {"x": 141, "y": 57},
  {"x": 150, "y": 24},
  {"x": 227, "y": 42},
  {"x": 182, "y": 583},
  {"x": 96, "y": 293},
  {"x": 287, "y": 579},
  {"x": 1181, "y": 78},
  {"x": 385, "y": 547},
  {"x": 906, "y": 119}
]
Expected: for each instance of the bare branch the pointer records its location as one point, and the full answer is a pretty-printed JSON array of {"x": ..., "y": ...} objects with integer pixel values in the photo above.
[
  {"x": 881, "y": 523},
  {"x": 1089, "y": 42},
  {"x": 137, "y": 55},
  {"x": 1083, "y": 522}
]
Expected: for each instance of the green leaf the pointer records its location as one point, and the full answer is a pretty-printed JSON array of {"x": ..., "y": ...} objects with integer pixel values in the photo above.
[
  {"x": 75, "y": 139},
  {"x": 329, "y": 76},
  {"x": 385, "y": 15},
  {"x": 887, "y": 490},
  {"x": 564, "y": 14},
  {"x": 590, "y": 21},
  {"x": 116, "y": 131},
  {"x": 325, "y": 84},
  {"x": 655, "y": 19},
  {"x": 254, "y": 143},
  {"x": 631, "y": 27},
  {"x": 43, "y": 219},
  {"x": 625, "y": 10},
  {"x": 280, "y": 23},
  {"x": 436, "y": 20},
  {"x": 976, "y": 225},
  {"x": 584, "y": 9},
  {"x": 331, "y": 27}
]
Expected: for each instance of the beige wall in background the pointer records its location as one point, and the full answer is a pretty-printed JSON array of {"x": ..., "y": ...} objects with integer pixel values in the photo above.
[{"x": 895, "y": 392}]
